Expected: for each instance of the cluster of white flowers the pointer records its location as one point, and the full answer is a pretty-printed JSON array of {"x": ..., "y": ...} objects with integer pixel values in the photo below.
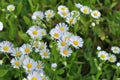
[
  {"x": 86, "y": 10},
  {"x": 103, "y": 55},
  {"x": 65, "y": 39}
]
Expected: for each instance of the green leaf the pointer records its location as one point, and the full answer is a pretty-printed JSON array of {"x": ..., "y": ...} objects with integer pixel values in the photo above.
[
  {"x": 60, "y": 71},
  {"x": 3, "y": 72},
  {"x": 23, "y": 36},
  {"x": 19, "y": 8},
  {"x": 27, "y": 20}
]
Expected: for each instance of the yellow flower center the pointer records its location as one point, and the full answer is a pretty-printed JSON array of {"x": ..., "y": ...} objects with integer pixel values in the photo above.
[
  {"x": 17, "y": 63},
  {"x": 103, "y": 56},
  {"x": 17, "y": 53},
  {"x": 71, "y": 20},
  {"x": 62, "y": 28},
  {"x": 45, "y": 54},
  {"x": 85, "y": 10},
  {"x": 67, "y": 38},
  {"x": 49, "y": 15},
  {"x": 34, "y": 78},
  {"x": 43, "y": 78},
  {"x": 42, "y": 32},
  {"x": 6, "y": 48},
  {"x": 42, "y": 46},
  {"x": 27, "y": 50},
  {"x": 63, "y": 43},
  {"x": 64, "y": 14},
  {"x": 35, "y": 44},
  {"x": 56, "y": 34},
  {"x": 65, "y": 52},
  {"x": 95, "y": 14},
  {"x": 111, "y": 58},
  {"x": 38, "y": 66},
  {"x": 11, "y": 9},
  {"x": 115, "y": 49},
  {"x": 63, "y": 8},
  {"x": 35, "y": 32},
  {"x": 29, "y": 65},
  {"x": 75, "y": 42}
]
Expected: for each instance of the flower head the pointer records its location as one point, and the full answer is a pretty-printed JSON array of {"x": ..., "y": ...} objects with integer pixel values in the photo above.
[
  {"x": 10, "y": 8},
  {"x": 103, "y": 55},
  {"x": 95, "y": 14}
]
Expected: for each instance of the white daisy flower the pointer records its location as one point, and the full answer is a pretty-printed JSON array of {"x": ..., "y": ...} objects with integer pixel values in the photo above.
[
  {"x": 71, "y": 20},
  {"x": 75, "y": 13},
  {"x": 44, "y": 77},
  {"x": 39, "y": 66},
  {"x": 43, "y": 32},
  {"x": 62, "y": 43},
  {"x": 26, "y": 49},
  {"x": 34, "y": 76},
  {"x": 112, "y": 58},
  {"x": 78, "y": 5},
  {"x": 65, "y": 52},
  {"x": 34, "y": 32},
  {"x": 66, "y": 36},
  {"x": 98, "y": 48},
  {"x": 118, "y": 64},
  {"x": 16, "y": 52},
  {"x": 42, "y": 46},
  {"x": 53, "y": 65},
  {"x": 6, "y": 47},
  {"x": 115, "y": 49},
  {"x": 85, "y": 9},
  {"x": 29, "y": 65},
  {"x": 10, "y": 8},
  {"x": 45, "y": 53},
  {"x": 1, "y": 26},
  {"x": 38, "y": 15},
  {"x": 49, "y": 13},
  {"x": 35, "y": 44},
  {"x": 95, "y": 14},
  {"x": 16, "y": 63},
  {"x": 76, "y": 41},
  {"x": 64, "y": 14},
  {"x": 62, "y": 8},
  {"x": 103, "y": 55},
  {"x": 62, "y": 27},
  {"x": 55, "y": 33}
]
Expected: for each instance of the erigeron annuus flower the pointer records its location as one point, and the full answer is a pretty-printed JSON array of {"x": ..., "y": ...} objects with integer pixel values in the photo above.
[
  {"x": 1, "y": 26},
  {"x": 65, "y": 52},
  {"x": 115, "y": 49},
  {"x": 62, "y": 8},
  {"x": 85, "y": 9},
  {"x": 29, "y": 65},
  {"x": 26, "y": 49},
  {"x": 64, "y": 14},
  {"x": 43, "y": 46},
  {"x": 78, "y": 5},
  {"x": 66, "y": 36},
  {"x": 16, "y": 52},
  {"x": 49, "y": 13},
  {"x": 112, "y": 58},
  {"x": 62, "y": 43},
  {"x": 76, "y": 41},
  {"x": 62, "y": 27},
  {"x": 53, "y": 65},
  {"x": 39, "y": 66},
  {"x": 103, "y": 55},
  {"x": 43, "y": 32},
  {"x": 55, "y": 33},
  {"x": 95, "y": 14},
  {"x": 6, "y": 47},
  {"x": 10, "y": 7},
  {"x": 71, "y": 20},
  {"x": 45, "y": 53},
  {"x": 38, "y": 15},
  {"x": 16, "y": 63},
  {"x": 34, "y": 76},
  {"x": 34, "y": 32}
]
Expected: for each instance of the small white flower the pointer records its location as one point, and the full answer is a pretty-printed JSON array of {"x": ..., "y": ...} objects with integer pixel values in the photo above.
[
  {"x": 98, "y": 48},
  {"x": 103, "y": 55},
  {"x": 39, "y": 66},
  {"x": 76, "y": 41},
  {"x": 49, "y": 13},
  {"x": 42, "y": 46},
  {"x": 95, "y": 14},
  {"x": 71, "y": 20},
  {"x": 6, "y": 47},
  {"x": 66, "y": 36},
  {"x": 115, "y": 49},
  {"x": 93, "y": 24},
  {"x": 1, "y": 62},
  {"x": 55, "y": 33},
  {"x": 78, "y": 5},
  {"x": 26, "y": 49},
  {"x": 64, "y": 14},
  {"x": 45, "y": 53},
  {"x": 43, "y": 32},
  {"x": 85, "y": 9},
  {"x": 34, "y": 76},
  {"x": 62, "y": 8},
  {"x": 112, "y": 58},
  {"x": 1, "y": 26},
  {"x": 62, "y": 43},
  {"x": 10, "y": 7},
  {"x": 53, "y": 65},
  {"x": 34, "y": 32},
  {"x": 118, "y": 64},
  {"x": 65, "y": 52},
  {"x": 38, "y": 15},
  {"x": 16, "y": 63},
  {"x": 16, "y": 52},
  {"x": 75, "y": 13},
  {"x": 62, "y": 27}
]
